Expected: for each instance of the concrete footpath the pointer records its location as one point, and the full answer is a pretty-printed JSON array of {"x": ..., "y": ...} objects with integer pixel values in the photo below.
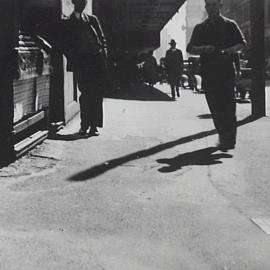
[{"x": 150, "y": 193}]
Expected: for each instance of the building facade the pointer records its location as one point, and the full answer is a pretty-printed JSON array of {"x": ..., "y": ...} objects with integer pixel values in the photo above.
[
  {"x": 195, "y": 13},
  {"x": 239, "y": 10},
  {"x": 41, "y": 92},
  {"x": 181, "y": 26},
  {"x": 174, "y": 29}
]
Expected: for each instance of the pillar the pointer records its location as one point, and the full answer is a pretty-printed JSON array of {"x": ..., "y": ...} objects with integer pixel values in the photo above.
[{"x": 258, "y": 58}]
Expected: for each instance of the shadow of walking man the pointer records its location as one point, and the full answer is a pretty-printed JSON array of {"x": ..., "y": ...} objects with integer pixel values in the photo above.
[
  {"x": 69, "y": 137},
  {"x": 202, "y": 157}
]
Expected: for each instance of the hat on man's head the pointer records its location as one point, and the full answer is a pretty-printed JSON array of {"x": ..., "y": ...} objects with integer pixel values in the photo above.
[{"x": 172, "y": 41}]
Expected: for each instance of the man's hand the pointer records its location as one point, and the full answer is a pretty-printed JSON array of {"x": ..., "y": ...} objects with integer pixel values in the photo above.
[
  {"x": 234, "y": 49},
  {"x": 228, "y": 51}
]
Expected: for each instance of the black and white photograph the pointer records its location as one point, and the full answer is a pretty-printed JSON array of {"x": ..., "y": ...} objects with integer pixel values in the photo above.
[{"x": 134, "y": 135}]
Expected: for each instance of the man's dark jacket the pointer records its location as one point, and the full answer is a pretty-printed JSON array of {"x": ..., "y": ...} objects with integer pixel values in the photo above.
[
  {"x": 69, "y": 35},
  {"x": 174, "y": 61}
]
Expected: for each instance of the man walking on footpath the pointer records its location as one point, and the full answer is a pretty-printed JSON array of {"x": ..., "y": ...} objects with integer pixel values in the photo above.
[
  {"x": 85, "y": 47},
  {"x": 174, "y": 67},
  {"x": 217, "y": 40}
]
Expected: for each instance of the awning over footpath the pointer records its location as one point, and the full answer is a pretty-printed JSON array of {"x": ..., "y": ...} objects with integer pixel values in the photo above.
[{"x": 136, "y": 23}]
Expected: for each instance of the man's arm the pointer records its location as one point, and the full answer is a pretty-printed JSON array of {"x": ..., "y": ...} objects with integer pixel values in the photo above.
[
  {"x": 238, "y": 40},
  {"x": 100, "y": 34},
  {"x": 234, "y": 49}
]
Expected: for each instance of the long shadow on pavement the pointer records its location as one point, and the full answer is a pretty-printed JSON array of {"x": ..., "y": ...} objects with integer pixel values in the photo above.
[
  {"x": 68, "y": 137},
  {"x": 140, "y": 91},
  {"x": 113, "y": 163},
  {"x": 200, "y": 157}
]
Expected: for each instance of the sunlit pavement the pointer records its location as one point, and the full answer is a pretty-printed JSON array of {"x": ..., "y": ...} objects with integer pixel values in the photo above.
[{"x": 151, "y": 192}]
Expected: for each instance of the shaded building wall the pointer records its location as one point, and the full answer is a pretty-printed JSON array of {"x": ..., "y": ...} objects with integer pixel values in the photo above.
[
  {"x": 174, "y": 29},
  {"x": 267, "y": 31},
  {"x": 112, "y": 16},
  {"x": 239, "y": 10}
]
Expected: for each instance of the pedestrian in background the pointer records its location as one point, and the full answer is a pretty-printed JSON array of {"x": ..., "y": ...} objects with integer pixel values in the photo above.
[
  {"x": 85, "y": 47},
  {"x": 162, "y": 74},
  {"x": 217, "y": 40},
  {"x": 174, "y": 67},
  {"x": 150, "y": 69}
]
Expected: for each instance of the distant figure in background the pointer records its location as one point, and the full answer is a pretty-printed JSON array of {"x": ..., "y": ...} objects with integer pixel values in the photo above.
[
  {"x": 217, "y": 40},
  {"x": 150, "y": 69},
  {"x": 174, "y": 67},
  {"x": 162, "y": 74},
  {"x": 85, "y": 47}
]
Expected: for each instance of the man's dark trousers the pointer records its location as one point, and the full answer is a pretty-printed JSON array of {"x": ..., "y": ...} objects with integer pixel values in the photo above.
[
  {"x": 220, "y": 97},
  {"x": 90, "y": 79}
]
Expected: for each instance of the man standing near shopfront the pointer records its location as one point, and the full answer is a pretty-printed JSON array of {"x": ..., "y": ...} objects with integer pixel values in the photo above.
[
  {"x": 174, "y": 67},
  {"x": 217, "y": 40},
  {"x": 85, "y": 46}
]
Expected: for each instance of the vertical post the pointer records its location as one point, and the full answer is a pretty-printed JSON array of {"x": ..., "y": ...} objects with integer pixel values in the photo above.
[
  {"x": 8, "y": 60},
  {"x": 258, "y": 58}
]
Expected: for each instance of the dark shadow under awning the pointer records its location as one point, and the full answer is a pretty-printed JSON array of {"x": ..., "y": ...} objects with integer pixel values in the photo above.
[
  {"x": 150, "y": 15},
  {"x": 135, "y": 24}
]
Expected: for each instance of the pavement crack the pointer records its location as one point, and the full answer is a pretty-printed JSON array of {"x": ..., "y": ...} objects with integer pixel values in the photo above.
[{"x": 45, "y": 157}]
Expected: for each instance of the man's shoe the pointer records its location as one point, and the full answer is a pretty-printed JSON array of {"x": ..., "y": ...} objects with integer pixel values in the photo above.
[
  {"x": 83, "y": 132},
  {"x": 224, "y": 147},
  {"x": 94, "y": 131}
]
